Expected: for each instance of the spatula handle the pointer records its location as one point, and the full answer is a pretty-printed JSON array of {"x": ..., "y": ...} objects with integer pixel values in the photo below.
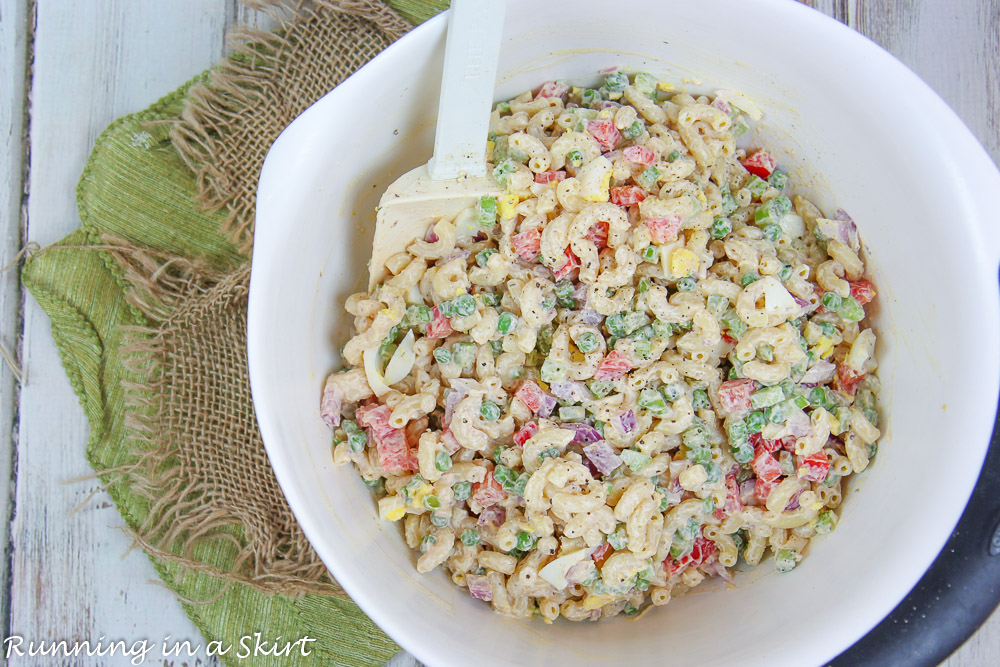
[{"x": 468, "y": 81}]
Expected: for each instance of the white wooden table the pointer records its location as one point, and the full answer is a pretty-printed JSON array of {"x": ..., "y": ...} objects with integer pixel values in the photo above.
[{"x": 67, "y": 69}]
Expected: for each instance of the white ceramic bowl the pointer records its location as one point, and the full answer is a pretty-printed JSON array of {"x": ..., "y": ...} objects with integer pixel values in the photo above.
[{"x": 848, "y": 119}]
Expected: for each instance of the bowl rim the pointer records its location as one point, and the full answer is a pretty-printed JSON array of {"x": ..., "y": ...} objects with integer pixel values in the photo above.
[{"x": 280, "y": 456}]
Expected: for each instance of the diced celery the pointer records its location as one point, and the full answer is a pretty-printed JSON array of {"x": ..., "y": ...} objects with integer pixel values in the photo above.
[
  {"x": 635, "y": 460},
  {"x": 784, "y": 560},
  {"x": 634, "y": 130},
  {"x": 553, "y": 371},
  {"x": 768, "y": 396},
  {"x": 648, "y": 178},
  {"x": 686, "y": 284},
  {"x": 651, "y": 400},
  {"x": 645, "y": 83},
  {"x": 756, "y": 186},
  {"x": 699, "y": 399},
  {"x": 587, "y": 342},
  {"x": 503, "y": 170}
]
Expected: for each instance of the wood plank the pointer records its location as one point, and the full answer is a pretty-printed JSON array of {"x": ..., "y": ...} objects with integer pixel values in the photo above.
[
  {"x": 94, "y": 61},
  {"x": 13, "y": 47}
]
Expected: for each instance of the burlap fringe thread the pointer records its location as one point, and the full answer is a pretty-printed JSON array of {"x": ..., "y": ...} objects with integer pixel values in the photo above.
[
  {"x": 201, "y": 462},
  {"x": 228, "y": 125},
  {"x": 202, "y": 466}
]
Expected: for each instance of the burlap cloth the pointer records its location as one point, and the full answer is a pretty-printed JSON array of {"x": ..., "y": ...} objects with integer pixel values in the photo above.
[{"x": 148, "y": 308}]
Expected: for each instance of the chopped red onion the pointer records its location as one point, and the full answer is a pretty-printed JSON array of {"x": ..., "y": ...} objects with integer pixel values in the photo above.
[
  {"x": 603, "y": 456},
  {"x": 491, "y": 518},
  {"x": 747, "y": 496},
  {"x": 608, "y": 70},
  {"x": 590, "y": 317},
  {"x": 450, "y": 443},
  {"x": 798, "y": 423},
  {"x": 819, "y": 372},
  {"x": 580, "y": 294},
  {"x": 585, "y": 433},
  {"x": 852, "y": 229},
  {"x": 450, "y": 402},
  {"x": 722, "y": 105},
  {"x": 479, "y": 587},
  {"x": 457, "y": 254},
  {"x": 717, "y": 569},
  {"x": 330, "y": 404},
  {"x": 549, "y": 403},
  {"x": 793, "y": 504},
  {"x": 571, "y": 390},
  {"x": 626, "y": 421}
]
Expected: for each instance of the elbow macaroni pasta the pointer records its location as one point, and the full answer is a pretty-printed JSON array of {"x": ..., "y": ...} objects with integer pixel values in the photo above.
[{"x": 645, "y": 364}]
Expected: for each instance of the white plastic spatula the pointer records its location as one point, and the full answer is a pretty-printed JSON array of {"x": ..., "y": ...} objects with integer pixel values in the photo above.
[{"x": 455, "y": 178}]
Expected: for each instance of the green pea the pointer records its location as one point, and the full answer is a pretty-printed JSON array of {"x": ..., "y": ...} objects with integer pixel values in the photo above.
[
  {"x": 831, "y": 301},
  {"x": 470, "y": 537},
  {"x": 461, "y": 490},
  {"x": 526, "y": 541},
  {"x": 490, "y": 411},
  {"x": 506, "y": 323},
  {"x": 721, "y": 227},
  {"x": 483, "y": 256},
  {"x": 442, "y": 461},
  {"x": 755, "y": 421}
]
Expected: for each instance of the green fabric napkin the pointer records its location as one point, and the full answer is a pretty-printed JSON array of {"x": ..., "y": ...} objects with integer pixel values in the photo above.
[{"x": 136, "y": 188}]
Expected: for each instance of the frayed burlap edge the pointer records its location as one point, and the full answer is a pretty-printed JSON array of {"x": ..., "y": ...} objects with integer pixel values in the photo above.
[
  {"x": 234, "y": 89},
  {"x": 271, "y": 554}
]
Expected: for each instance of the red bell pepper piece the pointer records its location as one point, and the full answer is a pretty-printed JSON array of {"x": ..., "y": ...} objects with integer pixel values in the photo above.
[
  {"x": 734, "y": 395},
  {"x": 760, "y": 163}
]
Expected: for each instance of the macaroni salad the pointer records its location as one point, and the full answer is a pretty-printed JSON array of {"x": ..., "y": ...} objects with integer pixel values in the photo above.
[{"x": 640, "y": 362}]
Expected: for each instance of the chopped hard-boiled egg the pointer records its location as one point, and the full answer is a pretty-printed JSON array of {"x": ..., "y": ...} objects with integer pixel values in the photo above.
[
  {"x": 401, "y": 362},
  {"x": 824, "y": 347},
  {"x": 592, "y": 602},
  {"x": 683, "y": 263},
  {"x": 506, "y": 204},
  {"x": 391, "y": 508},
  {"x": 555, "y": 571},
  {"x": 693, "y": 477},
  {"x": 372, "y": 373}
]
